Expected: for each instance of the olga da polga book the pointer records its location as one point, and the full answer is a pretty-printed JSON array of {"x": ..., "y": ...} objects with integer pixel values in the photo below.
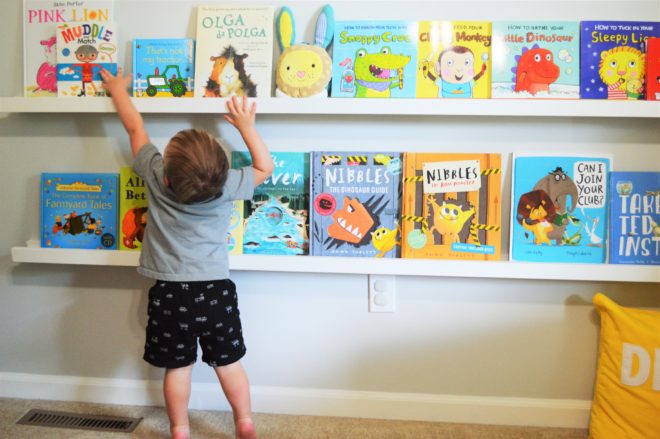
[
  {"x": 454, "y": 59},
  {"x": 133, "y": 209},
  {"x": 355, "y": 204},
  {"x": 163, "y": 67},
  {"x": 451, "y": 206},
  {"x": 79, "y": 211}
]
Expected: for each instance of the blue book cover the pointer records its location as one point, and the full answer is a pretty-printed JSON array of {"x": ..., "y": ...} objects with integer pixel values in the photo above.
[
  {"x": 634, "y": 218},
  {"x": 79, "y": 210},
  {"x": 559, "y": 208},
  {"x": 275, "y": 221},
  {"x": 163, "y": 67},
  {"x": 536, "y": 59},
  {"x": 356, "y": 198},
  {"x": 374, "y": 59},
  {"x": 612, "y": 58}
]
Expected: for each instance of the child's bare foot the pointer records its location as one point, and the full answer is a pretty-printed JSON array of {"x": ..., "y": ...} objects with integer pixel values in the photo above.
[
  {"x": 245, "y": 429},
  {"x": 180, "y": 432}
]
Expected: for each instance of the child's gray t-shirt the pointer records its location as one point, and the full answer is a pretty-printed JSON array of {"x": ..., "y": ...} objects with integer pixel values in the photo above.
[{"x": 186, "y": 242}]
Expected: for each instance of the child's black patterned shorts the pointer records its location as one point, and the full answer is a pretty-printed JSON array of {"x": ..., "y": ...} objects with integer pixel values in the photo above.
[{"x": 181, "y": 313}]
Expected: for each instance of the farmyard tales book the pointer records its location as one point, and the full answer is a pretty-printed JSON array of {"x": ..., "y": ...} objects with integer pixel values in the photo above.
[
  {"x": 275, "y": 221},
  {"x": 612, "y": 58},
  {"x": 536, "y": 59},
  {"x": 163, "y": 67},
  {"x": 454, "y": 59},
  {"x": 355, "y": 204},
  {"x": 635, "y": 218},
  {"x": 451, "y": 206},
  {"x": 234, "y": 51},
  {"x": 40, "y": 21},
  {"x": 79, "y": 211},
  {"x": 374, "y": 59},
  {"x": 133, "y": 209},
  {"x": 82, "y": 49},
  {"x": 653, "y": 69},
  {"x": 559, "y": 208}
]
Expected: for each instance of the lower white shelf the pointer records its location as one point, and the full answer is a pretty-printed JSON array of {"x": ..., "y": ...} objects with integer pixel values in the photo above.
[{"x": 399, "y": 267}]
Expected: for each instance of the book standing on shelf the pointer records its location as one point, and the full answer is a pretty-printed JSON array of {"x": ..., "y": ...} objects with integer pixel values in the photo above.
[
  {"x": 79, "y": 211},
  {"x": 536, "y": 59},
  {"x": 355, "y": 204},
  {"x": 653, "y": 69},
  {"x": 235, "y": 229},
  {"x": 559, "y": 208},
  {"x": 163, "y": 67},
  {"x": 635, "y": 218},
  {"x": 133, "y": 209}
]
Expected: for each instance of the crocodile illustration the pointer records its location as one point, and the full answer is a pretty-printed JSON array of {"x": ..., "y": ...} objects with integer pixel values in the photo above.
[
  {"x": 377, "y": 73},
  {"x": 535, "y": 70}
]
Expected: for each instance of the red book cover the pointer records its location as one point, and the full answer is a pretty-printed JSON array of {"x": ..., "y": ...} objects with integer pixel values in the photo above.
[{"x": 653, "y": 69}]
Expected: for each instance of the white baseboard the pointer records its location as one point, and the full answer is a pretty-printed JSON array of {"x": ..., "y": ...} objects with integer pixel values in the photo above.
[{"x": 305, "y": 401}]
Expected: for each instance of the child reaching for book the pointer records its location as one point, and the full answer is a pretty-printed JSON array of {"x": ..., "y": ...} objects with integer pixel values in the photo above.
[{"x": 190, "y": 189}]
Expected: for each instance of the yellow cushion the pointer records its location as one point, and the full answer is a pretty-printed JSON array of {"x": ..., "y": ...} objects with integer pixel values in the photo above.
[{"x": 626, "y": 401}]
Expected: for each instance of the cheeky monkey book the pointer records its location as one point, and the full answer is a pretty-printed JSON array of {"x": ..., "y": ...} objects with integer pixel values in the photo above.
[{"x": 133, "y": 209}]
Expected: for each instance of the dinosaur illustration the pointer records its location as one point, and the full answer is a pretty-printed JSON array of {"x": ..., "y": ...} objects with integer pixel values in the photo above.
[
  {"x": 535, "y": 70},
  {"x": 373, "y": 73}
]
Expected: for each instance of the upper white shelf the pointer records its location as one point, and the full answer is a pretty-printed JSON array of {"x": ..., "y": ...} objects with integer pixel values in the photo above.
[
  {"x": 399, "y": 267},
  {"x": 412, "y": 107}
]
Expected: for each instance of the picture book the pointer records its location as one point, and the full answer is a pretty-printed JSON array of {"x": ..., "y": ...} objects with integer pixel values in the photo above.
[
  {"x": 374, "y": 59},
  {"x": 559, "y": 208},
  {"x": 79, "y": 211},
  {"x": 275, "y": 221},
  {"x": 536, "y": 59},
  {"x": 355, "y": 204},
  {"x": 40, "y": 21},
  {"x": 82, "y": 49},
  {"x": 133, "y": 209},
  {"x": 634, "y": 218},
  {"x": 163, "y": 67},
  {"x": 653, "y": 69},
  {"x": 612, "y": 60},
  {"x": 454, "y": 59},
  {"x": 451, "y": 206},
  {"x": 235, "y": 229},
  {"x": 234, "y": 51}
]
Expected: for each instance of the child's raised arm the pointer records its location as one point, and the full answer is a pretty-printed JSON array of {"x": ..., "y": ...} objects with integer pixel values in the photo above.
[
  {"x": 128, "y": 114},
  {"x": 242, "y": 117}
]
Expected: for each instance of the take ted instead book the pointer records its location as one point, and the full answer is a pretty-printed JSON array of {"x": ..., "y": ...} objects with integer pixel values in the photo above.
[
  {"x": 635, "y": 218},
  {"x": 451, "y": 206},
  {"x": 559, "y": 208},
  {"x": 536, "y": 59},
  {"x": 234, "y": 51},
  {"x": 612, "y": 58},
  {"x": 355, "y": 204},
  {"x": 275, "y": 221},
  {"x": 133, "y": 209},
  {"x": 79, "y": 210},
  {"x": 454, "y": 59},
  {"x": 40, "y": 21},
  {"x": 82, "y": 50},
  {"x": 163, "y": 67},
  {"x": 374, "y": 59}
]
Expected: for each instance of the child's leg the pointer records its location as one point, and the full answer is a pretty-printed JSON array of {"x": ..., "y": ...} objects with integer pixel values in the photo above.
[
  {"x": 176, "y": 388},
  {"x": 234, "y": 382}
]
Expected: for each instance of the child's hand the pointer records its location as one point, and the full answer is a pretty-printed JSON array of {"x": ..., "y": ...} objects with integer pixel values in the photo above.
[
  {"x": 113, "y": 83},
  {"x": 242, "y": 115}
]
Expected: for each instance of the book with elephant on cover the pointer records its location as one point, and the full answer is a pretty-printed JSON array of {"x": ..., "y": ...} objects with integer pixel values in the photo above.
[{"x": 559, "y": 208}]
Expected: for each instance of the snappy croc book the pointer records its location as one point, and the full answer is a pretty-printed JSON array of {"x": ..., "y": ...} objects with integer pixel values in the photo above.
[
  {"x": 163, "y": 67},
  {"x": 133, "y": 209}
]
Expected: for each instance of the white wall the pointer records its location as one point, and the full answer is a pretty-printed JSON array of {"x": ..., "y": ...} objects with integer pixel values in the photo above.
[{"x": 470, "y": 337}]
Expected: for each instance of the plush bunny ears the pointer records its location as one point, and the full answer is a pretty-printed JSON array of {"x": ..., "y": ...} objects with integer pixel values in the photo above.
[{"x": 323, "y": 34}]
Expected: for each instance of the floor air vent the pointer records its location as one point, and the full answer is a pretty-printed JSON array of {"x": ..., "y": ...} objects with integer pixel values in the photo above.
[{"x": 47, "y": 418}]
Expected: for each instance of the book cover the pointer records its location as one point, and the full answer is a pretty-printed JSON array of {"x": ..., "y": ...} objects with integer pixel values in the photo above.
[
  {"x": 82, "y": 49},
  {"x": 234, "y": 51},
  {"x": 163, "y": 67},
  {"x": 235, "y": 229},
  {"x": 40, "y": 21},
  {"x": 275, "y": 221},
  {"x": 374, "y": 59},
  {"x": 653, "y": 69},
  {"x": 559, "y": 208},
  {"x": 79, "y": 211},
  {"x": 536, "y": 59},
  {"x": 634, "y": 218},
  {"x": 451, "y": 206},
  {"x": 612, "y": 58},
  {"x": 133, "y": 209},
  {"x": 454, "y": 59},
  {"x": 355, "y": 204}
]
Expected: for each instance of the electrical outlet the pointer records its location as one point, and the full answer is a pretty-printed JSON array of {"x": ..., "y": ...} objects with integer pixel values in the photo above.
[{"x": 382, "y": 289}]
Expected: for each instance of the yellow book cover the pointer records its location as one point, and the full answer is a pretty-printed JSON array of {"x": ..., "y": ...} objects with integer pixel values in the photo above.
[
  {"x": 235, "y": 229},
  {"x": 454, "y": 59},
  {"x": 451, "y": 206},
  {"x": 132, "y": 209}
]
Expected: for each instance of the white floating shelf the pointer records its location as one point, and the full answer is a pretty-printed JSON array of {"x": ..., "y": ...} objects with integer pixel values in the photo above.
[
  {"x": 399, "y": 267},
  {"x": 343, "y": 106}
]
